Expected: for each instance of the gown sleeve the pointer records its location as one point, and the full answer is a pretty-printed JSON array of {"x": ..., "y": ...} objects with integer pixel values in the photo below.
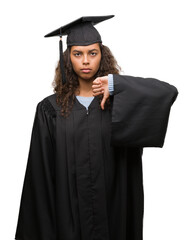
[
  {"x": 140, "y": 111},
  {"x": 36, "y": 218}
]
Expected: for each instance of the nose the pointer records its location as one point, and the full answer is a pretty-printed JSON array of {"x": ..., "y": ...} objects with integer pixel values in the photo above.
[{"x": 85, "y": 59}]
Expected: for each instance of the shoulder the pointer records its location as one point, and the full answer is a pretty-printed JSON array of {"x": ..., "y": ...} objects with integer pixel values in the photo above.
[{"x": 49, "y": 105}]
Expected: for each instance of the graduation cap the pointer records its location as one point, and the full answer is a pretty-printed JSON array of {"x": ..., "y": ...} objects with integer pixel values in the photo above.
[{"x": 80, "y": 32}]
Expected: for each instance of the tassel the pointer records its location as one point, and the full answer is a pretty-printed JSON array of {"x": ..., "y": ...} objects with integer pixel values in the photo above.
[{"x": 62, "y": 59}]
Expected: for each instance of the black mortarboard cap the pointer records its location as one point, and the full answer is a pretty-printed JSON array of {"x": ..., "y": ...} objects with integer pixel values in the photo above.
[{"x": 80, "y": 32}]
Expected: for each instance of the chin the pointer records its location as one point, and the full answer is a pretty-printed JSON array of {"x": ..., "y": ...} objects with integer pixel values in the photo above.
[{"x": 87, "y": 77}]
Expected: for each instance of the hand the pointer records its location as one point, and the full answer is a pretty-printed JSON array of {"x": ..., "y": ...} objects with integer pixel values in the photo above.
[{"x": 100, "y": 86}]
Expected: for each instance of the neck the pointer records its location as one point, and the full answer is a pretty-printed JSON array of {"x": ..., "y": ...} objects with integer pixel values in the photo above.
[{"x": 85, "y": 88}]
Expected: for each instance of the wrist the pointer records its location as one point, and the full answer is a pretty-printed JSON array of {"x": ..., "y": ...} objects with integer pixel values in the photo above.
[{"x": 110, "y": 84}]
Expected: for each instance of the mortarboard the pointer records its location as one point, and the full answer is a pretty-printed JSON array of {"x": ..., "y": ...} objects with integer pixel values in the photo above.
[{"x": 80, "y": 32}]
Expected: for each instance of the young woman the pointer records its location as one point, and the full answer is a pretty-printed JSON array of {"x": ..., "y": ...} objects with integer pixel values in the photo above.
[{"x": 84, "y": 176}]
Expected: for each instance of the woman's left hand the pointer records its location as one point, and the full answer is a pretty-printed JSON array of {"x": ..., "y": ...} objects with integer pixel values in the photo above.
[{"x": 100, "y": 86}]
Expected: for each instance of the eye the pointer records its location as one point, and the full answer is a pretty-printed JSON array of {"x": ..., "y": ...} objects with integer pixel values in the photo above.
[
  {"x": 77, "y": 54},
  {"x": 93, "y": 53}
]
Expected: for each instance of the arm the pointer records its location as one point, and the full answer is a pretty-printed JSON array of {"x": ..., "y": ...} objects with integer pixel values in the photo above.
[
  {"x": 140, "y": 111},
  {"x": 36, "y": 218}
]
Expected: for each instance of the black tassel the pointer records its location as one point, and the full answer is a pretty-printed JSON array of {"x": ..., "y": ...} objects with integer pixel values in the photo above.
[{"x": 62, "y": 59}]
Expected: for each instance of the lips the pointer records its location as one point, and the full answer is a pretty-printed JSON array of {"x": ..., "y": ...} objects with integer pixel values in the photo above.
[{"x": 86, "y": 70}]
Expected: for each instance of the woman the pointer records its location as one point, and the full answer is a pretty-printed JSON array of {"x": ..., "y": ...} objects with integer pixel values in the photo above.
[
  {"x": 84, "y": 172},
  {"x": 88, "y": 63}
]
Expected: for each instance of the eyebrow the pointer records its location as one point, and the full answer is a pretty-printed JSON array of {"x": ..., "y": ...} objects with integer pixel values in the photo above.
[{"x": 94, "y": 49}]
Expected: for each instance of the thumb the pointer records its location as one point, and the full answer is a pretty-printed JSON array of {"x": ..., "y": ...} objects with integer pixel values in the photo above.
[{"x": 103, "y": 102}]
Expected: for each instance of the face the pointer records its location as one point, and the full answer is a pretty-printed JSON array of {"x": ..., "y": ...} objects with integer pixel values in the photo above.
[{"x": 86, "y": 60}]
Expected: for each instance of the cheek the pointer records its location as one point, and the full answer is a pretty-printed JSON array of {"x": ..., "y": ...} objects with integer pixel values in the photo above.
[
  {"x": 96, "y": 61},
  {"x": 74, "y": 64}
]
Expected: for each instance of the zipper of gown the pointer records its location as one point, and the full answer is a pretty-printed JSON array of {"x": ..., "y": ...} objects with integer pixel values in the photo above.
[{"x": 87, "y": 113}]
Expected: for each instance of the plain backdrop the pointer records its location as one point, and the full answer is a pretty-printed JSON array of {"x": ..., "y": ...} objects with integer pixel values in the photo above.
[{"x": 149, "y": 38}]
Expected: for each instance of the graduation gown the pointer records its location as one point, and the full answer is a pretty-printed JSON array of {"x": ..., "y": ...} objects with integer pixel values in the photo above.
[{"x": 84, "y": 177}]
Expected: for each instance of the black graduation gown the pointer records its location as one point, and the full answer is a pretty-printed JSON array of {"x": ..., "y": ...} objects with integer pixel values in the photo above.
[{"x": 83, "y": 178}]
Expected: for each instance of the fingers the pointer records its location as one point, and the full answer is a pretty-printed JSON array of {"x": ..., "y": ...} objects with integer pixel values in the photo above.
[
  {"x": 98, "y": 93},
  {"x": 103, "y": 79},
  {"x": 97, "y": 81},
  {"x": 96, "y": 85},
  {"x": 100, "y": 86},
  {"x": 97, "y": 89}
]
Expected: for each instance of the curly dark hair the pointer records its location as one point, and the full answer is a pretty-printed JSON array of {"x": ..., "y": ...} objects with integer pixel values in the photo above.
[{"x": 65, "y": 94}]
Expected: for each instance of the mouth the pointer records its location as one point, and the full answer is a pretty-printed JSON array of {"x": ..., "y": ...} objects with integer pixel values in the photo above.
[{"x": 86, "y": 70}]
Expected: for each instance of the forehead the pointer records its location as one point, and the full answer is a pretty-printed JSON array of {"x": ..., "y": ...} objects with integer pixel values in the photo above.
[{"x": 86, "y": 48}]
